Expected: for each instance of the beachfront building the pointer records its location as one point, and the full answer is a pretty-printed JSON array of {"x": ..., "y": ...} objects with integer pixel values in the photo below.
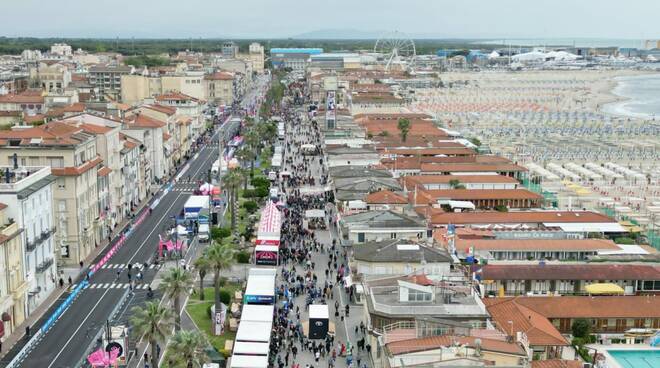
[
  {"x": 534, "y": 249},
  {"x": 479, "y": 198},
  {"x": 565, "y": 279},
  {"x": 400, "y": 257},
  {"x": 28, "y": 193},
  {"x": 381, "y": 225},
  {"x": 445, "y": 182},
  {"x": 292, "y": 58},
  {"x": 611, "y": 317},
  {"x": 454, "y": 351}
]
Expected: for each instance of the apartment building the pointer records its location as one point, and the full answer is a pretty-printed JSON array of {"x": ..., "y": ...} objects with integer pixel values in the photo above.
[
  {"x": 28, "y": 193},
  {"x": 51, "y": 77},
  {"x": 30, "y": 102},
  {"x": 107, "y": 79},
  {"x": 256, "y": 55},
  {"x": 137, "y": 87},
  {"x": 185, "y": 105},
  {"x": 13, "y": 285},
  {"x": 133, "y": 183},
  {"x": 72, "y": 155},
  {"x": 151, "y": 132},
  {"x": 566, "y": 279},
  {"x": 219, "y": 88}
]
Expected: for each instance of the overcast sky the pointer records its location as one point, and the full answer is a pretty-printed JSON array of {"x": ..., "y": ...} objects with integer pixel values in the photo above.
[{"x": 634, "y": 19}]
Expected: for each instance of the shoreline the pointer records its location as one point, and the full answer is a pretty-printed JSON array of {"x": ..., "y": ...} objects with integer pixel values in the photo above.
[{"x": 616, "y": 103}]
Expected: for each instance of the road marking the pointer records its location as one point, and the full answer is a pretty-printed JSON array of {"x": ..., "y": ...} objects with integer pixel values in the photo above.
[
  {"x": 54, "y": 360},
  {"x": 125, "y": 286},
  {"x": 105, "y": 266}
]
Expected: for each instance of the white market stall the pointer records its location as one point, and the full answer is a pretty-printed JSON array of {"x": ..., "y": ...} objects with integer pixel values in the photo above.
[
  {"x": 250, "y": 331},
  {"x": 248, "y": 361}
]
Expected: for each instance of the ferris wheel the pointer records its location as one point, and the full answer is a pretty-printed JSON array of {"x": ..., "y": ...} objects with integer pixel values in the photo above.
[{"x": 396, "y": 49}]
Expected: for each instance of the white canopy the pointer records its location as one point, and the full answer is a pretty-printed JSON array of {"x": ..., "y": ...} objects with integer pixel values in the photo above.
[
  {"x": 248, "y": 361},
  {"x": 251, "y": 348},
  {"x": 588, "y": 227},
  {"x": 257, "y": 313},
  {"x": 314, "y": 213},
  {"x": 251, "y": 331}
]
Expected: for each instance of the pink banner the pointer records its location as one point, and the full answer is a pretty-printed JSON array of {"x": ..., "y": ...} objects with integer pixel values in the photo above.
[{"x": 100, "y": 358}]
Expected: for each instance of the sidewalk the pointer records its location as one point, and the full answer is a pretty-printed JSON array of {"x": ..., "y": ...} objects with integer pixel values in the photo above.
[{"x": 18, "y": 337}]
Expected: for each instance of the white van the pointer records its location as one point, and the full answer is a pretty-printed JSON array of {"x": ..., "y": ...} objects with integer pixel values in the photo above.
[
  {"x": 274, "y": 193},
  {"x": 203, "y": 233}
]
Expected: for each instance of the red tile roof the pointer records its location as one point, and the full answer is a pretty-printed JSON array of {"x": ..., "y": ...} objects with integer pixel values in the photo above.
[
  {"x": 55, "y": 133},
  {"x": 160, "y": 108},
  {"x": 628, "y": 306},
  {"x": 556, "y": 363},
  {"x": 436, "y": 342},
  {"x": 77, "y": 170},
  {"x": 144, "y": 121},
  {"x": 219, "y": 76},
  {"x": 512, "y": 317},
  {"x": 104, "y": 171},
  {"x": 27, "y": 97},
  {"x": 94, "y": 128},
  {"x": 385, "y": 197},
  {"x": 175, "y": 96}
]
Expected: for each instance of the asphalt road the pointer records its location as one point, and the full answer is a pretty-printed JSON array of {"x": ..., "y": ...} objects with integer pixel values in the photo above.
[{"x": 64, "y": 343}]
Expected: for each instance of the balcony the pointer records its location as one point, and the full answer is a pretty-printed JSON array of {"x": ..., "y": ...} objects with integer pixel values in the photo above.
[
  {"x": 45, "y": 234},
  {"x": 30, "y": 246},
  {"x": 45, "y": 265}
]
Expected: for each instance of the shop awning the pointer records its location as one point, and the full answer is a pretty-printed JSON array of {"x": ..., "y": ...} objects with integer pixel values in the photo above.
[{"x": 604, "y": 289}]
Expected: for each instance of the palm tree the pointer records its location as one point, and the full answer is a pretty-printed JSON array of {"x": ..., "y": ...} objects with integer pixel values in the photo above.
[
  {"x": 187, "y": 348},
  {"x": 176, "y": 283},
  {"x": 220, "y": 257},
  {"x": 154, "y": 322},
  {"x": 233, "y": 180},
  {"x": 404, "y": 128},
  {"x": 202, "y": 266}
]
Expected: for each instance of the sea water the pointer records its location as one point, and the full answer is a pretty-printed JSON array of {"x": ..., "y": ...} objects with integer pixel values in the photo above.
[{"x": 642, "y": 94}]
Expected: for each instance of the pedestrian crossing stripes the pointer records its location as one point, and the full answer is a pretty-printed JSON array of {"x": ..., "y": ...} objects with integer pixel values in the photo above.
[
  {"x": 184, "y": 188},
  {"x": 117, "y": 266},
  {"x": 114, "y": 285}
]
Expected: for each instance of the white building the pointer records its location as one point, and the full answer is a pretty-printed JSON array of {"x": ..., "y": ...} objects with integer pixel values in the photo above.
[
  {"x": 28, "y": 193},
  {"x": 61, "y": 49}
]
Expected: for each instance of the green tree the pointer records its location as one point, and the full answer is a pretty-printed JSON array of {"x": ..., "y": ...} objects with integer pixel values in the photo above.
[
  {"x": 232, "y": 181},
  {"x": 581, "y": 328},
  {"x": 187, "y": 349},
  {"x": 245, "y": 155},
  {"x": 202, "y": 265},
  {"x": 177, "y": 282},
  {"x": 265, "y": 157},
  {"x": 221, "y": 257},
  {"x": 154, "y": 322},
  {"x": 453, "y": 183},
  {"x": 404, "y": 128}
]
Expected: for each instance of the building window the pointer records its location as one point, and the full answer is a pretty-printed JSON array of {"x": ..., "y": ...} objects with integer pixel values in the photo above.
[
  {"x": 419, "y": 296},
  {"x": 392, "y": 235}
]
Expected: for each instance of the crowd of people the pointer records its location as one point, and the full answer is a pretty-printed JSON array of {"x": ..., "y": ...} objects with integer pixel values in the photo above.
[{"x": 305, "y": 277}]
